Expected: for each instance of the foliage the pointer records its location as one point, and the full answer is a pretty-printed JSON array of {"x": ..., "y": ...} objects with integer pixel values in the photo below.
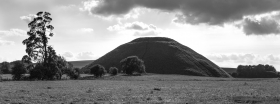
[
  {"x": 57, "y": 66},
  {"x": 113, "y": 71},
  {"x": 39, "y": 33},
  {"x": 49, "y": 64},
  {"x": 5, "y": 68},
  {"x": 97, "y": 70},
  {"x": 18, "y": 69},
  {"x": 73, "y": 73},
  {"x": 37, "y": 72},
  {"x": 132, "y": 64},
  {"x": 259, "y": 71}
]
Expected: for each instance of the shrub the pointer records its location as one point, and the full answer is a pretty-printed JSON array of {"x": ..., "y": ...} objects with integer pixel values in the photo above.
[
  {"x": 73, "y": 73},
  {"x": 18, "y": 70},
  {"x": 132, "y": 64},
  {"x": 97, "y": 70},
  {"x": 113, "y": 71}
]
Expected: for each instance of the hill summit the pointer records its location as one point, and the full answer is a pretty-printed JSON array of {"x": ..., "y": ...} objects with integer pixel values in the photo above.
[{"x": 163, "y": 56}]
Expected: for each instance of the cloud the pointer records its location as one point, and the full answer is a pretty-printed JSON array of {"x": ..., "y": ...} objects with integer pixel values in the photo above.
[
  {"x": 137, "y": 28},
  {"x": 87, "y": 5},
  {"x": 68, "y": 55},
  {"x": 4, "y": 42},
  {"x": 244, "y": 58},
  {"x": 212, "y": 12},
  {"x": 13, "y": 32},
  {"x": 86, "y": 30},
  {"x": 28, "y": 18},
  {"x": 86, "y": 56},
  {"x": 260, "y": 27}
]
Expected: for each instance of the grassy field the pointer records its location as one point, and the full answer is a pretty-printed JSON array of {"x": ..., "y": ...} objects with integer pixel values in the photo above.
[{"x": 143, "y": 89}]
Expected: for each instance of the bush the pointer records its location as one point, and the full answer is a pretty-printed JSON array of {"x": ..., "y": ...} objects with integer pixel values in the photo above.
[
  {"x": 132, "y": 64},
  {"x": 113, "y": 71},
  {"x": 73, "y": 73},
  {"x": 18, "y": 70},
  {"x": 97, "y": 70}
]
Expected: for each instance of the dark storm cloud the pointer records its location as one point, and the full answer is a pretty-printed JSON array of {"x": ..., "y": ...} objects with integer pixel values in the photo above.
[
  {"x": 212, "y": 12},
  {"x": 264, "y": 26}
]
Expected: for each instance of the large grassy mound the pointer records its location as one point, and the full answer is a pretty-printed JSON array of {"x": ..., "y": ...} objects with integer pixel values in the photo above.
[{"x": 162, "y": 56}]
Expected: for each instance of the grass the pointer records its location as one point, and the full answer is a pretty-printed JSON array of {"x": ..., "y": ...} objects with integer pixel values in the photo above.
[{"x": 151, "y": 88}]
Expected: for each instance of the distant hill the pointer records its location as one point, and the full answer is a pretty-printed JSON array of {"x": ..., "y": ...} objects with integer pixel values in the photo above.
[
  {"x": 80, "y": 64},
  {"x": 163, "y": 56},
  {"x": 230, "y": 70}
]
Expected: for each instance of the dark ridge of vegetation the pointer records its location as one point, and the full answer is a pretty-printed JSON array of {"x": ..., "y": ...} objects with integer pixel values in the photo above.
[
  {"x": 113, "y": 71},
  {"x": 256, "y": 71},
  {"x": 162, "y": 56},
  {"x": 132, "y": 64},
  {"x": 97, "y": 70}
]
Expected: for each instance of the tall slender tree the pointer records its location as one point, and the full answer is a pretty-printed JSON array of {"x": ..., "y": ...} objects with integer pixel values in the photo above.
[{"x": 39, "y": 34}]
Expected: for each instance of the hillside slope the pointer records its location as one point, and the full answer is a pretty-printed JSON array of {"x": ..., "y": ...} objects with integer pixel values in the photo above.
[{"x": 162, "y": 56}]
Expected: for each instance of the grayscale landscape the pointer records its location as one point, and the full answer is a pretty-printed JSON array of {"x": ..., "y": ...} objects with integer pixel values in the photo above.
[{"x": 139, "y": 52}]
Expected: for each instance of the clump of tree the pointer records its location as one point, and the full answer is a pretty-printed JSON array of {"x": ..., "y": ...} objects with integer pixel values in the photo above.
[
  {"x": 256, "y": 71},
  {"x": 47, "y": 63},
  {"x": 97, "y": 70},
  {"x": 132, "y": 64},
  {"x": 5, "y": 67},
  {"x": 113, "y": 71},
  {"x": 18, "y": 70}
]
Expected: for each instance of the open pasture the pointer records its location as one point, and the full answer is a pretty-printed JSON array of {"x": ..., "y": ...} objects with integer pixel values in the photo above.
[{"x": 143, "y": 89}]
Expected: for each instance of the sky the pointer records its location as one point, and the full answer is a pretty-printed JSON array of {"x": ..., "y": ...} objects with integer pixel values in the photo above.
[{"x": 228, "y": 32}]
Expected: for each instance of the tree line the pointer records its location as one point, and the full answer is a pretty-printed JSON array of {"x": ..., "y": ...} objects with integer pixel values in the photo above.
[{"x": 256, "y": 71}]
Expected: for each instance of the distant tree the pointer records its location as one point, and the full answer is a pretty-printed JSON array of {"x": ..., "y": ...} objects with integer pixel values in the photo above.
[
  {"x": 98, "y": 70},
  {"x": 5, "y": 67},
  {"x": 113, "y": 71},
  {"x": 256, "y": 71},
  {"x": 132, "y": 64},
  {"x": 18, "y": 70}
]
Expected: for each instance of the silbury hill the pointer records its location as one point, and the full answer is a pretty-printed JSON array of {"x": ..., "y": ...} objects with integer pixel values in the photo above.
[{"x": 162, "y": 56}]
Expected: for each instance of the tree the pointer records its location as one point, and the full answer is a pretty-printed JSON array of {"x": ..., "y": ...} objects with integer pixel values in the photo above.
[
  {"x": 38, "y": 49},
  {"x": 97, "y": 70},
  {"x": 18, "y": 70},
  {"x": 39, "y": 33},
  {"x": 5, "y": 67},
  {"x": 113, "y": 71},
  {"x": 132, "y": 64}
]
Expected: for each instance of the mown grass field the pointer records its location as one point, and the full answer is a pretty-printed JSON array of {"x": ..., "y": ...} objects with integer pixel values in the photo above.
[{"x": 149, "y": 88}]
